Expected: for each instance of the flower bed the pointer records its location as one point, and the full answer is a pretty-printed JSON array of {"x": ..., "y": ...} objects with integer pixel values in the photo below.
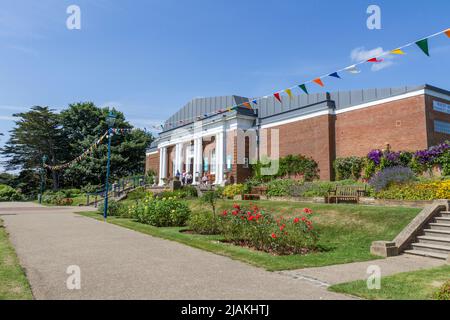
[
  {"x": 258, "y": 229},
  {"x": 417, "y": 191}
]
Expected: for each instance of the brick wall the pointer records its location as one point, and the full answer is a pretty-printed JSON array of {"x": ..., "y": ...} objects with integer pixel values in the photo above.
[
  {"x": 400, "y": 123},
  {"x": 152, "y": 162},
  {"x": 310, "y": 137}
]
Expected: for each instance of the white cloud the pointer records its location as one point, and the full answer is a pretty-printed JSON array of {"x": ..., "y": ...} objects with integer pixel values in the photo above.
[
  {"x": 7, "y": 118},
  {"x": 361, "y": 54}
]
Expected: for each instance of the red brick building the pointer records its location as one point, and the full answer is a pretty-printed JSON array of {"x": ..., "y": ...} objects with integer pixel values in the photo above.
[{"x": 324, "y": 126}]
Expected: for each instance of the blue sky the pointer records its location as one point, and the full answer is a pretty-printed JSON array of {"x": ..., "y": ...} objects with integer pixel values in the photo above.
[{"x": 148, "y": 58}]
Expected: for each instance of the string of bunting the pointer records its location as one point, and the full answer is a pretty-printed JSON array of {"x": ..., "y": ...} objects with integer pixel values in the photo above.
[
  {"x": 88, "y": 151},
  {"x": 422, "y": 44}
]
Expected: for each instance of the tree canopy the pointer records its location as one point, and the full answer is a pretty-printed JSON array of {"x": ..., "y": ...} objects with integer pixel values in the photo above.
[{"x": 63, "y": 136}]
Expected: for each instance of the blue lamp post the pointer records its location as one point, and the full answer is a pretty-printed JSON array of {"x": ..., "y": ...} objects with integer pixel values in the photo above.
[
  {"x": 44, "y": 158},
  {"x": 110, "y": 120}
]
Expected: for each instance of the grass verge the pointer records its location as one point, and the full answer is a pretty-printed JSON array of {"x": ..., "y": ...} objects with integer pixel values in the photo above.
[
  {"x": 13, "y": 282},
  {"x": 346, "y": 232},
  {"x": 414, "y": 285}
]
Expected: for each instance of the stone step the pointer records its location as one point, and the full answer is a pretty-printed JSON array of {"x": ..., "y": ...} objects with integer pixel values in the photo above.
[
  {"x": 437, "y": 233},
  {"x": 439, "y": 226},
  {"x": 445, "y": 214},
  {"x": 427, "y": 254},
  {"x": 436, "y": 248},
  {"x": 434, "y": 240},
  {"x": 443, "y": 220}
]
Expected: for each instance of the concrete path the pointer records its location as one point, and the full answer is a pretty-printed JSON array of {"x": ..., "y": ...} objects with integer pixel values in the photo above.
[
  {"x": 117, "y": 263},
  {"x": 330, "y": 275}
]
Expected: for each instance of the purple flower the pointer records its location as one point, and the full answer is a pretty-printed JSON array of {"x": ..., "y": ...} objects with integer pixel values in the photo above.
[{"x": 375, "y": 155}]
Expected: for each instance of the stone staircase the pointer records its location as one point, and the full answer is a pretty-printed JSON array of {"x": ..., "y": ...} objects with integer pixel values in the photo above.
[{"x": 434, "y": 240}]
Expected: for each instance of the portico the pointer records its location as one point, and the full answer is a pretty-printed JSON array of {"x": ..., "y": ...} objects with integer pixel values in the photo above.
[{"x": 203, "y": 147}]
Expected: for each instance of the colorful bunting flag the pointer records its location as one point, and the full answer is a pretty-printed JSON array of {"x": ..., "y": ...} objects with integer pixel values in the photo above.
[
  {"x": 277, "y": 96},
  {"x": 334, "y": 74},
  {"x": 447, "y": 32},
  {"x": 289, "y": 93},
  {"x": 423, "y": 45},
  {"x": 318, "y": 81},
  {"x": 247, "y": 105},
  {"x": 352, "y": 69},
  {"x": 303, "y": 87},
  {"x": 397, "y": 51},
  {"x": 375, "y": 60},
  {"x": 255, "y": 101}
]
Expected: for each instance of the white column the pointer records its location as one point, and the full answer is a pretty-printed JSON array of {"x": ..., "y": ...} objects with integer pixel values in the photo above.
[
  {"x": 187, "y": 155},
  {"x": 162, "y": 165},
  {"x": 178, "y": 158},
  {"x": 198, "y": 148},
  {"x": 220, "y": 157}
]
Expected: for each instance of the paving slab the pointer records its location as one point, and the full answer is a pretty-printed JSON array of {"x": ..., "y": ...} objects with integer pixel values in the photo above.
[
  {"x": 118, "y": 263},
  {"x": 340, "y": 273}
]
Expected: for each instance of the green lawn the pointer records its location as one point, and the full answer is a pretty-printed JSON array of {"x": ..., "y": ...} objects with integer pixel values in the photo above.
[
  {"x": 346, "y": 233},
  {"x": 13, "y": 282},
  {"x": 415, "y": 285}
]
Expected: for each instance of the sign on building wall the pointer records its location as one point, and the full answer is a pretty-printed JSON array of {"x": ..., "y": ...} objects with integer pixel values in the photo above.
[{"x": 441, "y": 106}]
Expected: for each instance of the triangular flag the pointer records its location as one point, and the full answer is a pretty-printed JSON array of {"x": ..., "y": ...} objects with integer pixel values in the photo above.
[
  {"x": 375, "y": 60},
  {"x": 247, "y": 105},
  {"x": 277, "y": 96},
  {"x": 229, "y": 109},
  {"x": 255, "y": 101},
  {"x": 334, "y": 74},
  {"x": 447, "y": 32},
  {"x": 352, "y": 69},
  {"x": 423, "y": 44},
  {"x": 397, "y": 51},
  {"x": 303, "y": 87},
  {"x": 289, "y": 92},
  {"x": 318, "y": 81}
]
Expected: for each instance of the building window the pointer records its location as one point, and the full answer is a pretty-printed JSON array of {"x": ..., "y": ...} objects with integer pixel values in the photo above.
[
  {"x": 441, "y": 107},
  {"x": 441, "y": 126}
]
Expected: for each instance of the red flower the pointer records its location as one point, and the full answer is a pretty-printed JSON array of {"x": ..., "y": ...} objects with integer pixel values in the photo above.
[
  {"x": 236, "y": 206},
  {"x": 296, "y": 220},
  {"x": 274, "y": 236},
  {"x": 225, "y": 212},
  {"x": 307, "y": 211},
  {"x": 234, "y": 212},
  {"x": 303, "y": 219},
  {"x": 250, "y": 218}
]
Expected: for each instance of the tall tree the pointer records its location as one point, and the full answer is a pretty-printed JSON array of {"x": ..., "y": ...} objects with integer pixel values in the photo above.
[
  {"x": 83, "y": 123},
  {"x": 36, "y": 133}
]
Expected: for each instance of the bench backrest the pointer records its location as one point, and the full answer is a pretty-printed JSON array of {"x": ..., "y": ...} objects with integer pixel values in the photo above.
[
  {"x": 259, "y": 190},
  {"x": 349, "y": 190}
]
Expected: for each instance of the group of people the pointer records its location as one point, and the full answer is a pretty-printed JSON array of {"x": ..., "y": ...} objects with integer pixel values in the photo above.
[{"x": 185, "y": 177}]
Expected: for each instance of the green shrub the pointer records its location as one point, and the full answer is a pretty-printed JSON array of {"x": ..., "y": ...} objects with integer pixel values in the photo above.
[
  {"x": 138, "y": 193},
  {"x": 292, "y": 165},
  {"x": 203, "y": 223},
  {"x": 56, "y": 198},
  {"x": 8, "y": 193},
  {"x": 162, "y": 212},
  {"x": 348, "y": 168},
  {"x": 233, "y": 190},
  {"x": 444, "y": 292},
  {"x": 115, "y": 209},
  {"x": 280, "y": 187}
]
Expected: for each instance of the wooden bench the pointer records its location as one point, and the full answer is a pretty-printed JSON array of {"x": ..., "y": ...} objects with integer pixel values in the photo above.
[
  {"x": 345, "y": 193},
  {"x": 256, "y": 193}
]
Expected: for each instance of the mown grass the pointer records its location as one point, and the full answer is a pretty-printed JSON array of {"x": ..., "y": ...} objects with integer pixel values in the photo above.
[
  {"x": 415, "y": 285},
  {"x": 346, "y": 232},
  {"x": 13, "y": 282}
]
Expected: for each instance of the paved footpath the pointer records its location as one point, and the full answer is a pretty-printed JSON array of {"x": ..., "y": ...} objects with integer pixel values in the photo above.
[{"x": 117, "y": 263}]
